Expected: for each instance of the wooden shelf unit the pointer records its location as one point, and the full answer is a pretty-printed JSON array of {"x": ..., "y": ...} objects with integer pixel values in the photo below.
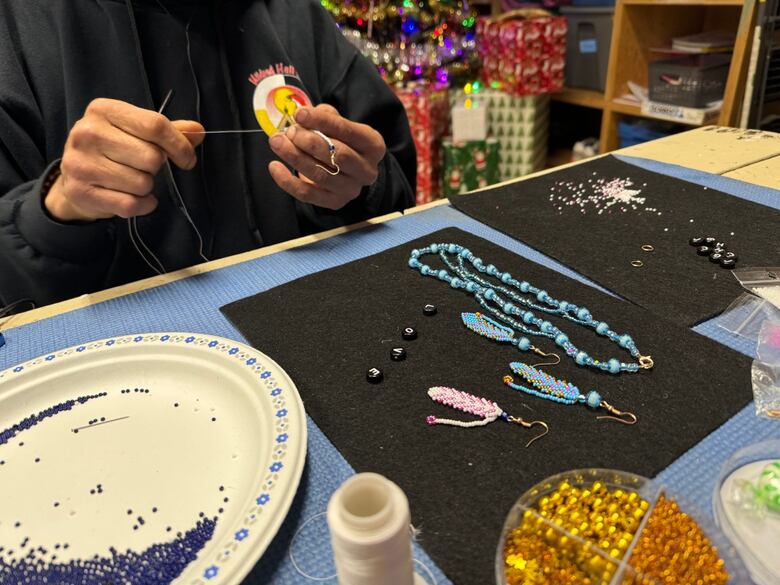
[{"x": 641, "y": 25}]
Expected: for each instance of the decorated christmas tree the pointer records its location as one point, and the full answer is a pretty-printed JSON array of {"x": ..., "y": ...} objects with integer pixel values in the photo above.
[{"x": 412, "y": 39}]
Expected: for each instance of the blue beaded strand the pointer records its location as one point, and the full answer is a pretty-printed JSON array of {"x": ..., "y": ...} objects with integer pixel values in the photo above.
[{"x": 515, "y": 311}]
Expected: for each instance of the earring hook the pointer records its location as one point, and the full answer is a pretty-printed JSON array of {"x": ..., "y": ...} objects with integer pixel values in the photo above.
[
  {"x": 630, "y": 417},
  {"x": 528, "y": 425},
  {"x": 539, "y": 352}
]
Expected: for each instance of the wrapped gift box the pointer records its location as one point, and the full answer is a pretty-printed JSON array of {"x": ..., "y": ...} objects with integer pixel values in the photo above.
[
  {"x": 470, "y": 165},
  {"x": 523, "y": 51},
  {"x": 427, "y": 107},
  {"x": 519, "y": 124}
]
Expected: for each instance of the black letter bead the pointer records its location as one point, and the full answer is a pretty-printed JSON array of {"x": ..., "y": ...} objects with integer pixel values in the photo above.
[
  {"x": 398, "y": 354},
  {"x": 696, "y": 241},
  {"x": 704, "y": 250},
  {"x": 709, "y": 241},
  {"x": 730, "y": 256},
  {"x": 728, "y": 263},
  {"x": 374, "y": 375},
  {"x": 718, "y": 250},
  {"x": 716, "y": 257},
  {"x": 409, "y": 333},
  {"x": 429, "y": 310},
  {"x": 720, "y": 245}
]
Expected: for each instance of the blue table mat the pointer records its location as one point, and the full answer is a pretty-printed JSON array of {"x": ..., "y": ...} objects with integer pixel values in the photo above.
[{"x": 301, "y": 551}]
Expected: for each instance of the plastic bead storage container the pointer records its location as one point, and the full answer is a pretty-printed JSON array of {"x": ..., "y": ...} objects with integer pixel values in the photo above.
[
  {"x": 602, "y": 526},
  {"x": 746, "y": 502}
]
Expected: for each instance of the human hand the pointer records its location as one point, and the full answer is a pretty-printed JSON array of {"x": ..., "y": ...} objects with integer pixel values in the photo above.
[
  {"x": 359, "y": 148},
  {"x": 111, "y": 157}
]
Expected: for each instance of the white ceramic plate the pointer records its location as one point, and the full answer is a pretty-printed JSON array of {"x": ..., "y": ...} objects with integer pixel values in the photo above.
[{"x": 152, "y": 458}]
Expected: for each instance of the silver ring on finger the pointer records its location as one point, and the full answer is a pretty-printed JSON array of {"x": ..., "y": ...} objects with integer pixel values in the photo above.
[{"x": 334, "y": 167}]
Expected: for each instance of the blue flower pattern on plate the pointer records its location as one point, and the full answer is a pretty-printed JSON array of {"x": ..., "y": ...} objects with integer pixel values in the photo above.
[{"x": 213, "y": 570}]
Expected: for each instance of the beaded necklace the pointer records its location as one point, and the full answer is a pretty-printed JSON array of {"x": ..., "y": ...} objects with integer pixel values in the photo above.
[
  {"x": 517, "y": 320},
  {"x": 550, "y": 388}
]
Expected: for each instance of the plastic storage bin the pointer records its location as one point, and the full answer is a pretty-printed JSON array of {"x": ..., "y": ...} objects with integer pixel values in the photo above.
[
  {"x": 636, "y": 131},
  {"x": 616, "y": 570},
  {"x": 587, "y": 45},
  {"x": 692, "y": 81}
]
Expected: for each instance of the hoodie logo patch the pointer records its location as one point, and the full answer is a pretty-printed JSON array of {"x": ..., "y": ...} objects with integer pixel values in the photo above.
[{"x": 279, "y": 92}]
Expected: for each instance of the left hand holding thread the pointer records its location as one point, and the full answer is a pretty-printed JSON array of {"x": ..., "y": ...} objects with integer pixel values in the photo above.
[{"x": 359, "y": 149}]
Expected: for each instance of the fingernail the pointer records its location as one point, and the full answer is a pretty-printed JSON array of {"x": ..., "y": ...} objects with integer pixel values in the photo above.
[
  {"x": 302, "y": 115},
  {"x": 290, "y": 131},
  {"x": 276, "y": 140}
]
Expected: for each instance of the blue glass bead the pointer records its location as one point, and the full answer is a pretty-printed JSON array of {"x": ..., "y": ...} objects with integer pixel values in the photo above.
[
  {"x": 509, "y": 308},
  {"x": 583, "y": 314},
  {"x": 524, "y": 344},
  {"x": 625, "y": 340},
  {"x": 561, "y": 338},
  {"x": 581, "y": 358},
  {"x": 542, "y": 295},
  {"x": 471, "y": 287},
  {"x": 415, "y": 253},
  {"x": 563, "y": 305},
  {"x": 452, "y": 248},
  {"x": 434, "y": 248},
  {"x": 489, "y": 294},
  {"x": 479, "y": 265},
  {"x": 425, "y": 270},
  {"x": 491, "y": 270},
  {"x": 464, "y": 252},
  {"x": 614, "y": 366},
  {"x": 528, "y": 317},
  {"x": 455, "y": 283},
  {"x": 546, "y": 326},
  {"x": 506, "y": 277},
  {"x": 602, "y": 328},
  {"x": 414, "y": 263},
  {"x": 593, "y": 399},
  {"x": 443, "y": 274},
  {"x": 524, "y": 286}
]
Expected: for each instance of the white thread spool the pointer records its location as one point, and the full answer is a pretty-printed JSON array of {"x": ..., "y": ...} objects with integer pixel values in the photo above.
[{"x": 369, "y": 520}]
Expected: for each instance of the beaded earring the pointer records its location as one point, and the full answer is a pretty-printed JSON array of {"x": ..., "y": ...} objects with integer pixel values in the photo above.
[
  {"x": 486, "y": 409},
  {"x": 550, "y": 388}
]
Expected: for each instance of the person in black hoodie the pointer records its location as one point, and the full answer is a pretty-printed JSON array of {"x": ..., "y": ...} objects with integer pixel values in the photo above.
[{"x": 86, "y": 198}]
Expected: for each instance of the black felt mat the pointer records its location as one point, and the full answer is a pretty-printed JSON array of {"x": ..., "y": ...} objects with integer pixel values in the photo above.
[
  {"x": 327, "y": 329},
  {"x": 674, "y": 282}
]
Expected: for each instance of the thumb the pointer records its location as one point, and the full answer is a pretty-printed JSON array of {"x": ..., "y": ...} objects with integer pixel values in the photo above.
[{"x": 187, "y": 126}]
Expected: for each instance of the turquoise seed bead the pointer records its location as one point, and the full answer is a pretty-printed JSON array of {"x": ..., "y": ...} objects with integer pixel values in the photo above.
[
  {"x": 614, "y": 366},
  {"x": 524, "y": 344},
  {"x": 425, "y": 270},
  {"x": 471, "y": 287},
  {"x": 452, "y": 248},
  {"x": 528, "y": 318},
  {"x": 414, "y": 263},
  {"x": 547, "y": 327},
  {"x": 524, "y": 286},
  {"x": 489, "y": 294},
  {"x": 602, "y": 328},
  {"x": 563, "y": 305},
  {"x": 541, "y": 295},
  {"x": 434, "y": 248},
  {"x": 464, "y": 252},
  {"x": 561, "y": 338},
  {"x": 583, "y": 314},
  {"x": 491, "y": 270},
  {"x": 506, "y": 277},
  {"x": 581, "y": 358},
  {"x": 509, "y": 308},
  {"x": 455, "y": 283},
  {"x": 593, "y": 399},
  {"x": 443, "y": 275}
]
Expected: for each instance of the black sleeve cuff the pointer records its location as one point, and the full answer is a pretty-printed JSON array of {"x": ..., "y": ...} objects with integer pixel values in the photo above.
[{"x": 75, "y": 242}]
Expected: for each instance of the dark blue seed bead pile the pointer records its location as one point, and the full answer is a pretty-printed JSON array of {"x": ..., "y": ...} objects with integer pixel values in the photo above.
[
  {"x": 34, "y": 419},
  {"x": 160, "y": 563}
]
